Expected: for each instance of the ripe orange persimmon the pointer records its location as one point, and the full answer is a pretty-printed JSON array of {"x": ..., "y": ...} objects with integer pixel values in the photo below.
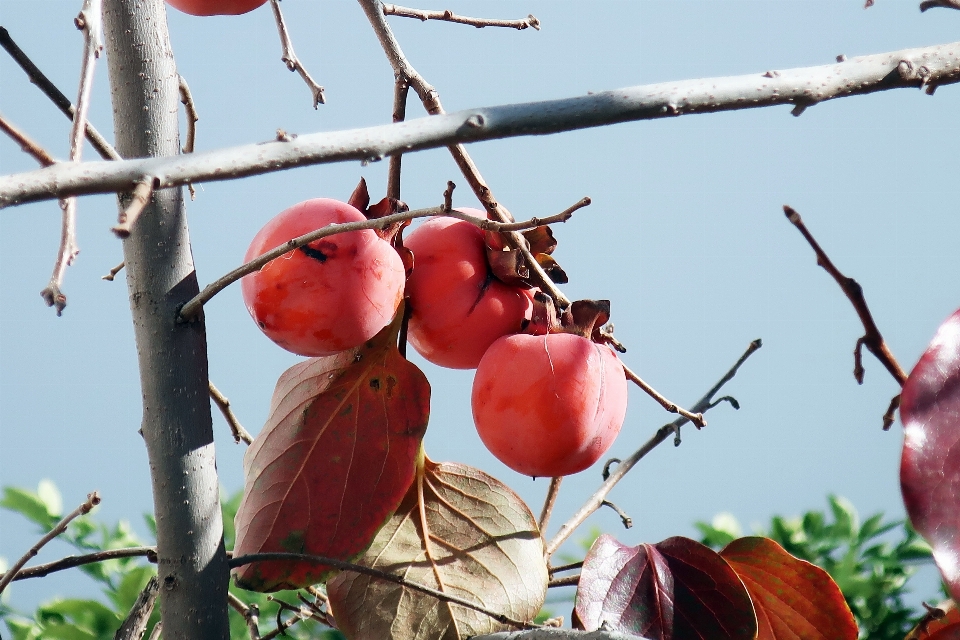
[
  {"x": 549, "y": 405},
  {"x": 330, "y": 295},
  {"x": 458, "y": 306},
  {"x": 215, "y": 7}
]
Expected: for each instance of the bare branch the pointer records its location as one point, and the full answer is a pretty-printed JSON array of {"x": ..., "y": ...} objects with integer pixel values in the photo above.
[
  {"x": 190, "y": 109},
  {"x": 70, "y": 562},
  {"x": 251, "y": 615},
  {"x": 596, "y": 500},
  {"x": 157, "y": 630},
  {"x": 568, "y": 581},
  {"x": 872, "y": 339},
  {"x": 400, "y": 91},
  {"x": 289, "y": 57},
  {"x": 946, "y": 4},
  {"x": 89, "y": 22},
  {"x": 855, "y": 76},
  {"x": 92, "y": 500},
  {"x": 135, "y": 624},
  {"x": 104, "y": 148},
  {"x": 449, "y": 16},
  {"x": 28, "y": 146},
  {"x": 193, "y": 307},
  {"x": 565, "y": 567},
  {"x": 624, "y": 518},
  {"x": 239, "y": 433},
  {"x": 113, "y": 272},
  {"x": 138, "y": 200},
  {"x": 382, "y": 575},
  {"x": 695, "y": 418},
  {"x": 548, "y": 503}
]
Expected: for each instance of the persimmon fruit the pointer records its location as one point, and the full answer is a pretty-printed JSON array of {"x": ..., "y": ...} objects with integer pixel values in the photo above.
[
  {"x": 549, "y": 405},
  {"x": 215, "y": 7},
  {"x": 330, "y": 295},
  {"x": 459, "y": 308}
]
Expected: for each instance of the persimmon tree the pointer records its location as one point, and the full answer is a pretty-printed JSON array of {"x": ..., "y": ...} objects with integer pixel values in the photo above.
[{"x": 339, "y": 490}]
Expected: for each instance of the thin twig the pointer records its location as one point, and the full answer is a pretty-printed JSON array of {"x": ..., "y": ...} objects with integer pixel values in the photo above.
[
  {"x": 569, "y": 581},
  {"x": 28, "y": 146},
  {"x": 449, "y": 16},
  {"x": 621, "y": 470},
  {"x": 548, "y": 503},
  {"x": 857, "y": 76},
  {"x": 565, "y": 567},
  {"x": 400, "y": 91},
  {"x": 135, "y": 624},
  {"x": 89, "y": 22},
  {"x": 70, "y": 562},
  {"x": 104, "y": 148},
  {"x": 251, "y": 615},
  {"x": 289, "y": 57},
  {"x": 190, "y": 109},
  {"x": 695, "y": 418},
  {"x": 872, "y": 339},
  {"x": 93, "y": 499},
  {"x": 157, "y": 630},
  {"x": 430, "y": 98},
  {"x": 890, "y": 416},
  {"x": 382, "y": 575},
  {"x": 627, "y": 520},
  {"x": 139, "y": 199},
  {"x": 946, "y": 4},
  {"x": 193, "y": 307},
  {"x": 239, "y": 433},
  {"x": 113, "y": 272}
]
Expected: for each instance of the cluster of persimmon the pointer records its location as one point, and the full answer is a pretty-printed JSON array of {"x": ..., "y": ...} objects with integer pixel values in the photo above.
[{"x": 549, "y": 395}]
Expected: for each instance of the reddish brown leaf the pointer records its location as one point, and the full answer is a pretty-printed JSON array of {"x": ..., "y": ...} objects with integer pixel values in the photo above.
[
  {"x": 541, "y": 240},
  {"x": 672, "y": 590},
  {"x": 474, "y": 538},
  {"x": 950, "y": 632},
  {"x": 930, "y": 464},
  {"x": 333, "y": 461},
  {"x": 793, "y": 598}
]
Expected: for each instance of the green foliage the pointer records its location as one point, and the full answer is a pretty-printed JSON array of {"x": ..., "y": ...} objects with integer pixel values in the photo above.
[
  {"x": 122, "y": 580},
  {"x": 871, "y": 562}
]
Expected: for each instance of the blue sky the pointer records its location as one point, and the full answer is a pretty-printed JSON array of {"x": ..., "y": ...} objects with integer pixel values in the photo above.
[{"x": 686, "y": 237}]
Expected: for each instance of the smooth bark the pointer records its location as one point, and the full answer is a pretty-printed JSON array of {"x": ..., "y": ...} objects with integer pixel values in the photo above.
[{"x": 177, "y": 423}]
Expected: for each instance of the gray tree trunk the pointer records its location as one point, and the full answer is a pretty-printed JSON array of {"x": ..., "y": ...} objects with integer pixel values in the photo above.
[{"x": 173, "y": 357}]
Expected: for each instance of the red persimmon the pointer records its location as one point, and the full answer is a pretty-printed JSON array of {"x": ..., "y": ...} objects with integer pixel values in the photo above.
[
  {"x": 549, "y": 405},
  {"x": 458, "y": 306},
  {"x": 330, "y": 295},
  {"x": 215, "y": 7}
]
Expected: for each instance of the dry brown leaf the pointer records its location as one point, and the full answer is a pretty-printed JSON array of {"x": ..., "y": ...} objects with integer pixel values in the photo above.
[{"x": 484, "y": 546}]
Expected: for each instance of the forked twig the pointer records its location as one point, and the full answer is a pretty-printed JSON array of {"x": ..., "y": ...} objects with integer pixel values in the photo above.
[
  {"x": 239, "y": 433},
  {"x": 617, "y": 474},
  {"x": 28, "y": 146},
  {"x": 695, "y": 418},
  {"x": 289, "y": 57},
  {"x": 382, "y": 575},
  {"x": 89, "y": 22},
  {"x": 93, "y": 499},
  {"x": 430, "y": 98},
  {"x": 251, "y": 615},
  {"x": 449, "y": 16},
  {"x": 871, "y": 339}
]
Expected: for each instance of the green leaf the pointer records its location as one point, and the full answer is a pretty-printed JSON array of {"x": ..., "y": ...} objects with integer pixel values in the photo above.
[
  {"x": 23, "y": 630},
  {"x": 847, "y": 520},
  {"x": 131, "y": 584},
  {"x": 30, "y": 506}
]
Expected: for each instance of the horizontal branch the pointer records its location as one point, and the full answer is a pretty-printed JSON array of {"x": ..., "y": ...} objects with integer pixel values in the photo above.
[
  {"x": 449, "y": 16},
  {"x": 927, "y": 67},
  {"x": 41, "y": 570}
]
